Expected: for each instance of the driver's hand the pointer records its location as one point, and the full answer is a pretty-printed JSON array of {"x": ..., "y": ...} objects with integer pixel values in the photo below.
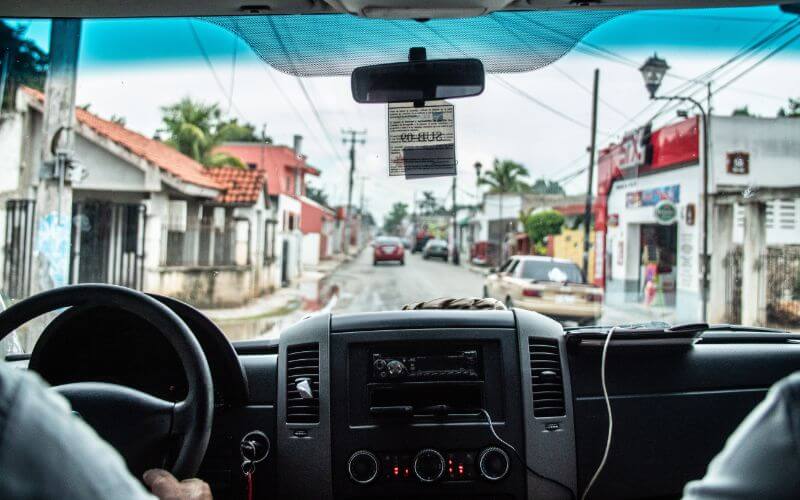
[{"x": 164, "y": 485}]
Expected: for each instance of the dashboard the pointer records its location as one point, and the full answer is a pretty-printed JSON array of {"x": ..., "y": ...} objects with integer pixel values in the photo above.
[{"x": 439, "y": 404}]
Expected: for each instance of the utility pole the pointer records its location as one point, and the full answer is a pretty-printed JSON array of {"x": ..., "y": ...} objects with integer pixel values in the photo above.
[
  {"x": 353, "y": 139},
  {"x": 362, "y": 178},
  {"x": 587, "y": 211},
  {"x": 456, "y": 257},
  {"x": 57, "y": 167}
]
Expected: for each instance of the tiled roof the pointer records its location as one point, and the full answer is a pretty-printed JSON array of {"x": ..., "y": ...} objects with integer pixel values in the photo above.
[
  {"x": 241, "y": 185},
  {"x": 155, "y": 152}
]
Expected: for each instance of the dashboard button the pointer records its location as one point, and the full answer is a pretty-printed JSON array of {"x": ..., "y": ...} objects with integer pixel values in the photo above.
[
  {"x": 362, "y": 467},
  {"x": 428, "y": 465},
  {"x": 493, "y": 463}
]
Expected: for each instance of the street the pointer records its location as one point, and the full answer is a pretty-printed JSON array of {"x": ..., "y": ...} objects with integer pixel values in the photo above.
[{"x": 388, "y": 286}]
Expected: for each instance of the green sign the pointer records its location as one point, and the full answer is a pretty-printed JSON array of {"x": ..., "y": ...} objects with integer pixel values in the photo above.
[{"x": 666, "y": 212}]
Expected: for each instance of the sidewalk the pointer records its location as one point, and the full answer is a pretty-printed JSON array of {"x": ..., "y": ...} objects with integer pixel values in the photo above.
[{"x": 281, "y": 302}]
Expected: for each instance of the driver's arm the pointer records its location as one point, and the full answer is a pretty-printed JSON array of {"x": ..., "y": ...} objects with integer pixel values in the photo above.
[
  {"x": 761, "y": 459},
  {"x": 48, "y": 452}
]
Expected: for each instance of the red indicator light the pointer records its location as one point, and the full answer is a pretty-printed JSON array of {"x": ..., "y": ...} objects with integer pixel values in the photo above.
[
  {"x": 406, "y": 472},
  {"x": 460, "y": 469},
  {"x": 396, "y": 470},
  {"x": 449, "y": 461},
  {"x": 450, "y": 470}
]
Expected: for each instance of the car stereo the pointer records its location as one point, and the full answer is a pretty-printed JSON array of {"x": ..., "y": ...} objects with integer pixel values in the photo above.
[{"x": 460, "y": 364}]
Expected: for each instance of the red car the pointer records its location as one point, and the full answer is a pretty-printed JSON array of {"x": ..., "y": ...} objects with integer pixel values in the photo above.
[{"x": 387, "y": 248}]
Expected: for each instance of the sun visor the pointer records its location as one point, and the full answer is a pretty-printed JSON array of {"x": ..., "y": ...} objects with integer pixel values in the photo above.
[{"x": 336, "y": 44}]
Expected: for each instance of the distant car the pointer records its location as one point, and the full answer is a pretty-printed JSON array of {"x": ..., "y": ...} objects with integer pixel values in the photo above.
[
  {"x": 553, "y": 287},
  {"x": 387, "y": 249},
  {"x": 435, "y": 248}
]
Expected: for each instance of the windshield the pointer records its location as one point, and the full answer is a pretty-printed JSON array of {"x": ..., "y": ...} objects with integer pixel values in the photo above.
[
  {"x": 551, "y": 271},
  {"x": 224, "y": 162}
]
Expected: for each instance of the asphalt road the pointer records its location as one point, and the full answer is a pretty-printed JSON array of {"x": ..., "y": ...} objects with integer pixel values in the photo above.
[{"x": 388, "y": 286}]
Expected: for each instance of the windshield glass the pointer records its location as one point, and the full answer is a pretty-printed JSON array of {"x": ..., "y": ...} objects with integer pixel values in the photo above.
[
  {"x": 551, "y": 271},
  {"x": 224, "y": 162}
]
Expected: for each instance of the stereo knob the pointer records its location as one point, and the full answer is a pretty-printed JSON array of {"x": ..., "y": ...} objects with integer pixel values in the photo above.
[
  {"x": 493, "y": 463},
  {"x": 396, "y": 368},
  {"x": 428, "y": 465},
  {"x": 363, "y": 467}
]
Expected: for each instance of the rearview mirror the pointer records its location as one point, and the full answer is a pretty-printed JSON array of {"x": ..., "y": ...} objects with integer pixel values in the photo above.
[{"x": 418, "y": 81}]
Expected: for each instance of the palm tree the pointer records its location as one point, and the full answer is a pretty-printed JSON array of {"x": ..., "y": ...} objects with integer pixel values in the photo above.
[
  {"x": 428, "y": 205},
  {"x": 194, "y": 128},
  {"x": 506, "y": 177}
]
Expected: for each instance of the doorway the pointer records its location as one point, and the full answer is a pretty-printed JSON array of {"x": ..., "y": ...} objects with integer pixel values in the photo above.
[{"x": 658, "y": 264}]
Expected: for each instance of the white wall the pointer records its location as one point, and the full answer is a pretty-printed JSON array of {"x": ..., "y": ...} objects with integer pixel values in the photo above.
[
  {"x": 511, "y": 206},
  {"x": 782, "y": 225},
  {"x": 772, "y": 144},
  {"x": 626, "y": 236},
  {"x": 311, "y": 247},
  {"x": 106, "y": 171},
  {"x": 11, "y": 135}
]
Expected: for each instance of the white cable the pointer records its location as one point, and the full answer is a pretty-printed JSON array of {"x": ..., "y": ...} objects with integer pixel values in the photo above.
[{"x": 608, "y": 409}]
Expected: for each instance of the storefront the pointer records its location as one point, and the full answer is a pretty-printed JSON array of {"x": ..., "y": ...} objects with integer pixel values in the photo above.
[
  {"x": 647, "y": 217},
  {"x": 649, "y": 211}
]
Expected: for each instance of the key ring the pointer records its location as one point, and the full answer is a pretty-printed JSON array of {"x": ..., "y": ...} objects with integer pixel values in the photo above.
[{"x": 248, "y": 467}]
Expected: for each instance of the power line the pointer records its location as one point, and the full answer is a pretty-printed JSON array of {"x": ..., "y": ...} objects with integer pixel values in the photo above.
[
  {"x": 709, "y": 75},
  {"x": 289, "y": 100},
  {"x": 233, "y": 70},
  {"x": 210, "y": 65},
  {"x": 513, "y": 88},
  {"x": 566, "y": 75},
  {"x": 320, "y": 122},
  {"x": 759, "y": 62}
]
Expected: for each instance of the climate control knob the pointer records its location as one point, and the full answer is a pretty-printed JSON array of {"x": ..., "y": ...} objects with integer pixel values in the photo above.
[
  {"x": 493, "y": 463},
  {"x": 396, "y": 368},
  {"x": 363, "y": 467},
  {"x": 428, "y": 465}
]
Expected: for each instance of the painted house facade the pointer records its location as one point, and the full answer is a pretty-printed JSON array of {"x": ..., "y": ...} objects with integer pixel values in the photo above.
[
  {"x": 305, "y": 227},
  {"x": 144, "y": 215}
]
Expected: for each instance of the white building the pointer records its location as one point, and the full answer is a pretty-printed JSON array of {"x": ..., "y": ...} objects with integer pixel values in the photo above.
[
  {"x": 649, "y": 212},
  {"x": 144, "y": 216}
]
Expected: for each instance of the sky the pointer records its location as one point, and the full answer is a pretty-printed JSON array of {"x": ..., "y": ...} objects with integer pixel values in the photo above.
[{"x": 131, "y": 68}]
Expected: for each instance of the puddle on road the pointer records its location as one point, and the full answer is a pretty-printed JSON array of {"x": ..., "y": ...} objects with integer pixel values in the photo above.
[{"x": 246, "y": 329}]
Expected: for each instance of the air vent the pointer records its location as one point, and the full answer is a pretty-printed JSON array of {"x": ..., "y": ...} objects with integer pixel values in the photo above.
[
  {"x": 547, "y": 384},
  {"x": 302, "y": 362}
]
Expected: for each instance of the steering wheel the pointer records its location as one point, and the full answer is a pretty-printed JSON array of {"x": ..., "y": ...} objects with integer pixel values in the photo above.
[{"x": 143, "y": 428}]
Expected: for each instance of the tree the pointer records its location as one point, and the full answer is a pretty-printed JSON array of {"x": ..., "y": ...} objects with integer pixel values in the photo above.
[
  {"x": 195, "y": 129},
  {"x": 318, "y": 195},
  {"x": 793, "y": 109},
  {"x": 542, "y": 186},
  {"x": 28, "y": 63},
  {"x": 429, "y": 205},
  {"x": 394, "y": 219},
  {"x": 540, "y": 225},
  {"x": 743, "y": 111},
  {"x": 506, "y": 177},
  {"x": 233, "y": 131}
]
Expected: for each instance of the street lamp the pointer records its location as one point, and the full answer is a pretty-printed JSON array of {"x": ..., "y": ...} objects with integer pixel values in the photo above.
[
  {"x": 653, "y": 71},
  {"x": 478, "y": 167}
]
